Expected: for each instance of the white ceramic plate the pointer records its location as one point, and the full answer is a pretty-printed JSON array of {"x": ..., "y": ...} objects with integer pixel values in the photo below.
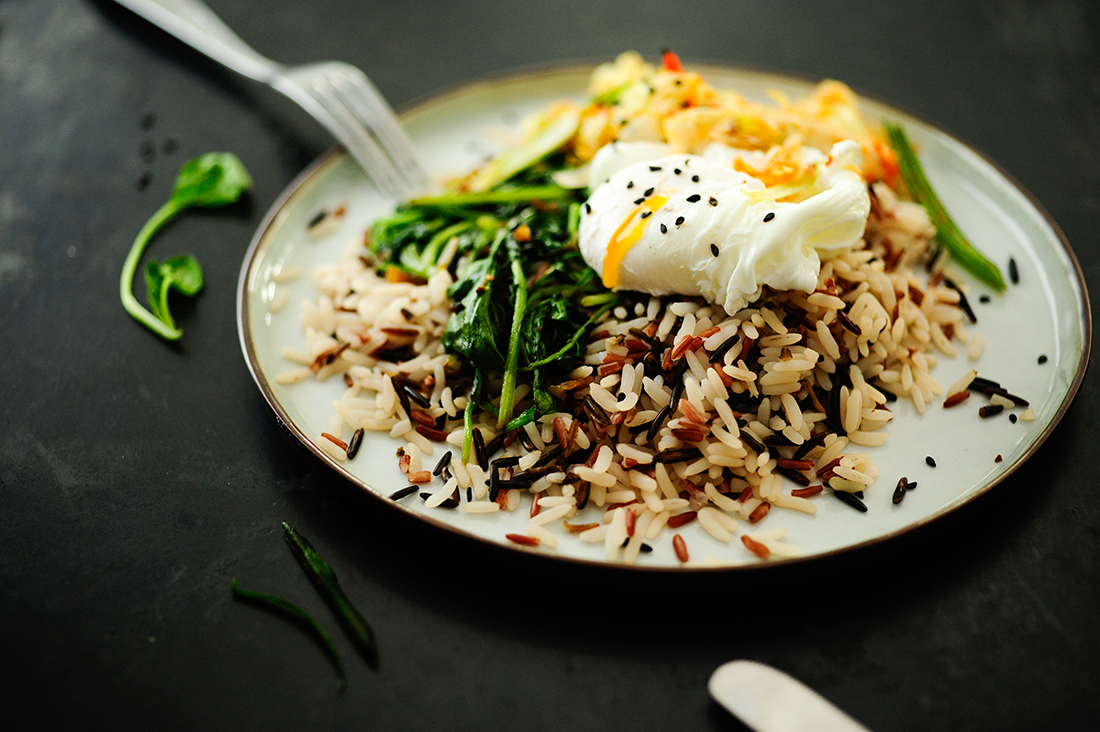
[{"x": 1045, "y": 314}]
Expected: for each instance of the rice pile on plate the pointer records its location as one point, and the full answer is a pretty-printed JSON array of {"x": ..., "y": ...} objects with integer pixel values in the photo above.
[{"x": 679, "y": 412}]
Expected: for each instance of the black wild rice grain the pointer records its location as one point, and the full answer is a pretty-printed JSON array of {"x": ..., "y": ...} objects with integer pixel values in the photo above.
[
  {"x": 719, "y": 353},
  {"x": 984, "y": 299},
  {"x": 507, "y": 461},
  {"x": 794, "y": 475},
  {"x": 355, "y": 443},
  {"x": 595, "y": 411},
  {"x": 810, "y": 444},
  {"x": 899, "y": 492},
  {"x": 417, "y": 397},
  {"x": 683, "y": 455},
  {"x": 750, "y": 440},
  {"x": 1013, "y": 271},
  {"x": 931, "y": 461},
  {"x": 406, "y": 491},
  {"x": 851, "y": 500},
  {"x": 444, "y": 461},
  {"x": 550, "y": 456},
  {"x": 848, "y": 323},
  {"x": 449, "y": 503},
  {"x": 964, "y": 304},
  {"x": 479, "y": 449},
  {"x": 317, "y": 218},
  {"x": 495, "y": 444},
  {"x": 657, "y": 423},
  {"x": 990, "y": 409}
]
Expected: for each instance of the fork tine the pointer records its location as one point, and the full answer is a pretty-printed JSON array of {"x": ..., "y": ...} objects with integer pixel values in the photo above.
[
  {"x": 366, "y": 102},
  {"x": 354, "y": 135}
]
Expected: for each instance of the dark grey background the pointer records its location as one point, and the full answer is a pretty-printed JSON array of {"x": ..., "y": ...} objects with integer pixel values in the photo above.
[{"x": 137, "y": 478}]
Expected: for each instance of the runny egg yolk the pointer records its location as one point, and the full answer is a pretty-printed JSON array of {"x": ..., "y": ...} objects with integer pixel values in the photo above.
[{"x": 626, "y": 236}]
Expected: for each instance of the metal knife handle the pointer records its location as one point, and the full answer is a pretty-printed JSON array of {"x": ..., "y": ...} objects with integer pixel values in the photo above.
[{"x": 768, "y": 700}]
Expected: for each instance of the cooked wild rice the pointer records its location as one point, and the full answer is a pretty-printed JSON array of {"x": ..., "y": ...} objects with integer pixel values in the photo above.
[{"x": 679, "y": 411}]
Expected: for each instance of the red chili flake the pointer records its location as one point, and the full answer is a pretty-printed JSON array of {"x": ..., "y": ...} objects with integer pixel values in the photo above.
[
  {"x": 756, "y": 547},
  {"x": 670, "y": 61},
  {"x": 680, "y": 548}
]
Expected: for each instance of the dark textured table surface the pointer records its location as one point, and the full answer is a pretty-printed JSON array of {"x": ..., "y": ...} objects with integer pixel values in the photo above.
[{"x": 137, "y": 478}]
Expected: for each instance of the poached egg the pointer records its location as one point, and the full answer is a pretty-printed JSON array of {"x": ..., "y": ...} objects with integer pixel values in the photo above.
[{"x": 665, "y": 223}]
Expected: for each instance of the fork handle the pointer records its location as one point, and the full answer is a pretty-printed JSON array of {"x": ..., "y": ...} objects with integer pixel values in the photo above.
[{"x": 195, "y": 24}]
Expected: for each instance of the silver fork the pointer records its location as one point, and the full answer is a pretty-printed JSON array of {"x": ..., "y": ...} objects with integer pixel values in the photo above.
[{"x": 338, "y": 95}]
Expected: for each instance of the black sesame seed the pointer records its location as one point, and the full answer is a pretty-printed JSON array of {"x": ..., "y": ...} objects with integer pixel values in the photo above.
[
  {"x": 639, "y": 201},
  {"x": 694, "y": 197},
  {"x": 1013, "y": 271},
  {"x": 677, "y": 171},
  {"x": 646, "y": 214},
  {"x": 630, "y": 185},
  {"x": 714, "y": 249},
  {"x": 587, "y": 207},
  {"x": 679, "y": 220},
  {"x": 694, "y": 179},
  {"x": 712, "y": 201},
  {"x": 984, "y": 299},
  {"x": 654, "y": 168},
  {"x": 768, "y": 216},
  {"x": 931, "y": 461},
  {"x": 1042, "y": 359},
  {"x": 1012, "y": 418},
  {"x": 664, "y": 229},
  {"x": 648, "y": 192}
]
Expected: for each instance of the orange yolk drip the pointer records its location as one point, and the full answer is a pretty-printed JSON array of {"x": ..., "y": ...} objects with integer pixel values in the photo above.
[{"x": 627, "y": 236}]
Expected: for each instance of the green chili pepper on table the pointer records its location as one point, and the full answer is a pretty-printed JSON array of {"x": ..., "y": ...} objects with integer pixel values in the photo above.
[{"x": 324, "y": 580}]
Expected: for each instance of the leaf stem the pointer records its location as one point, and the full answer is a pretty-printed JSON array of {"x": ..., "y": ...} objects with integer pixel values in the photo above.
[
  {"x": 508, "y": 390},
  {"x": 129, "y": 268},
  {"x": 302, "y": 616}
]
